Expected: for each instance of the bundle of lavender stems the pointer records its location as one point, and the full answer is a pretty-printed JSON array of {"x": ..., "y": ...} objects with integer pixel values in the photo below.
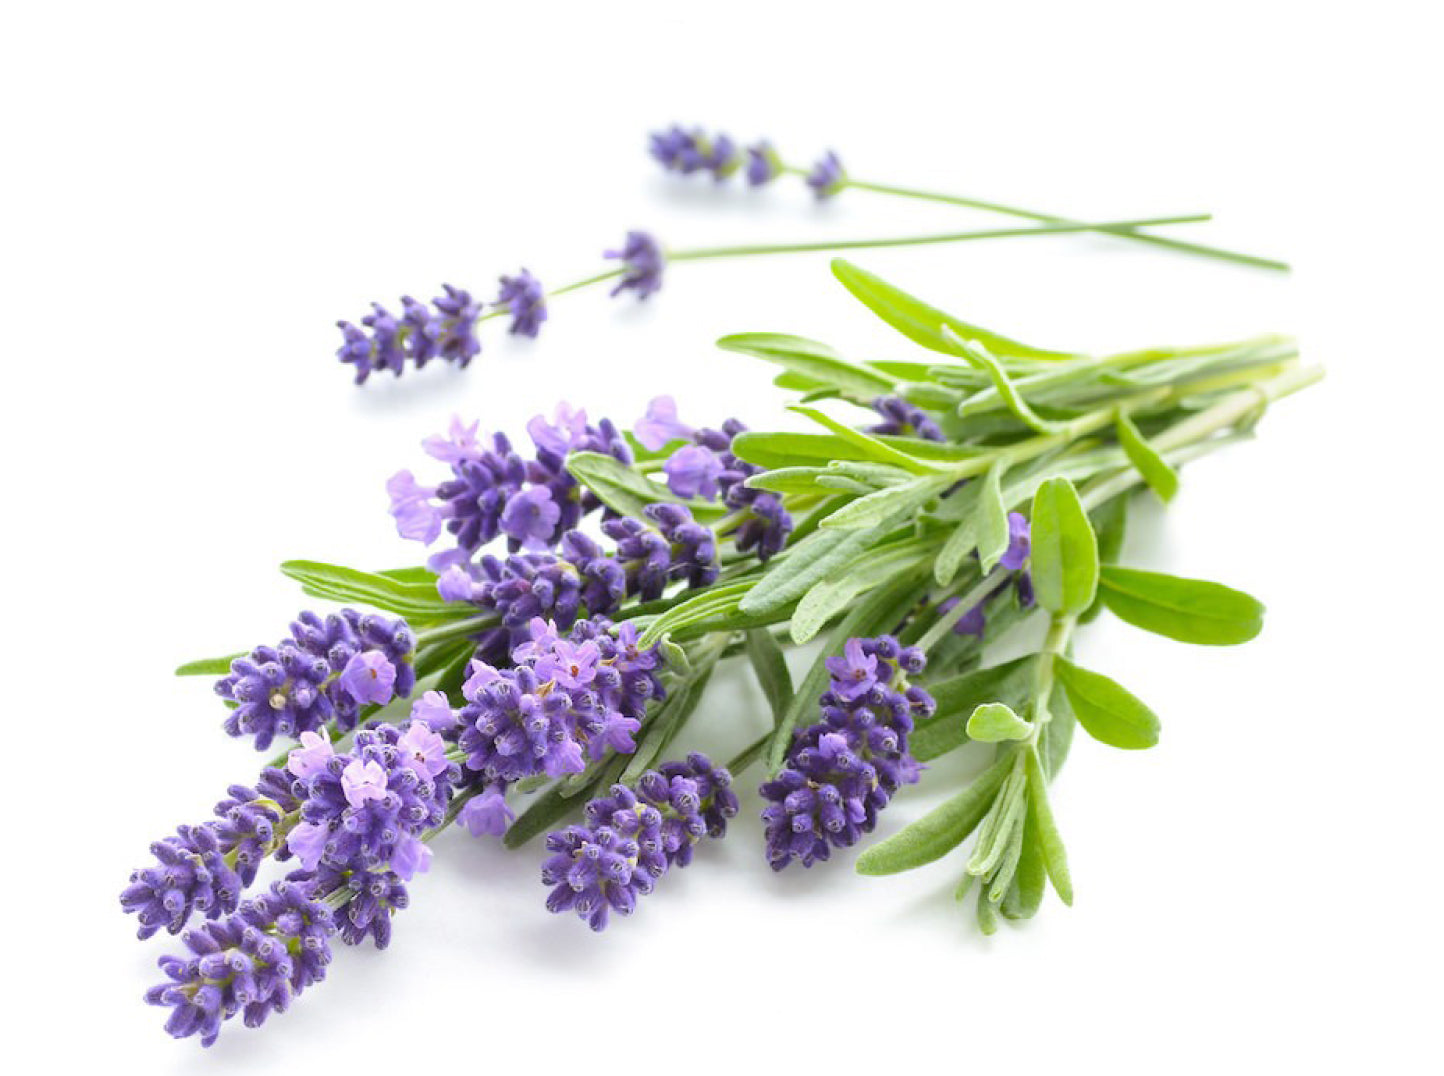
[{"x": 532, "y": 679}]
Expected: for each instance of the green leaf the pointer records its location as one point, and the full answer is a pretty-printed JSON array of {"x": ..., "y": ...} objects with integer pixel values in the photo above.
[
  {"x": 883, "y": 506},
  {"x": 342, "y": 584},
  {"x": 869, "y": 446},
  {"x": 209, "y": 666},
  {"x": 623, "y": 490},
  {"x": 1161, "y": 478},
  {"x": 956, "y": 698},
  {"x": 779, "y": 449},
  {"x": 994, "y": 722},
  {"x": 1110, "y": 524},
  {"x": 770, "y": 666},
  {"x": 1064, "y": 549},
  {"x": 1056, "y": 739},
  {"x": 939, "y": 831},
  {"x": 789, "y": 480},
  {"x": 1050, "y": 842},
  {"x": 815, "y": 557},
  {"x": 922, "y": 323},
  {"x": 974, "y": 351},
  {"x": 809, "y": 359},
  {"x": 1189, "y": 610},
  {"x": 1108, "y": 711},
  {"x": 992, "y": 518},
  {"x": 1029, "y": 880}
]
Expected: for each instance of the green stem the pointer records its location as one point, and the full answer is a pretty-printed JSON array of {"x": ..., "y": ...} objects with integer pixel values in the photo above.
[
  {"x": 1060, "y": 631},
  {"x": 1122, "y": 231},
  {"x": 945, "y": 623},
  {"x": 1059, "y": 228}
]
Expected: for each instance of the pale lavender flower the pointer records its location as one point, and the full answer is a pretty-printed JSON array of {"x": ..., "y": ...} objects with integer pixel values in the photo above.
[
  {"x": 459, "y": 443},
  {"x": 660, "y": 425},
  {"x": 434, "y": 711},
  {"x": 417, "y": 519},
  {"x": 455, "y": 584},
  {"x": 524, "y": 299},
  {"x": 369, "y": 677},
  {"x": 566, "y": 430},
  {"x": 693, "y": 471},
  {"x": 642, "y": 263},
  {"x": 854, "y": 673},
  {"x": 410, "y": 858},
  {"x": 363, "y": 781},
  {"x": 422, "y": 750},
  {"x": 1019, "y": 543},
  {"x": 311, "y": 757},
  {"x": 307, "y": 841},
  {"x": 572, "y": 665},
  {"x": 479, "y": 674},
  {"x": 617, "y": 733},
  {"x": 827, "y": 176},
  {"x": 487, "y": 815},
  {"x": 543, "y": 640},
  {"x": 531, "y": 517},
  {"x": 763, "y": 164}
]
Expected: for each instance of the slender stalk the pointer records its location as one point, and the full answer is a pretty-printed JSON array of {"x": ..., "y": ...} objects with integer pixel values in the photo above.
[
  {"x": 979, "y": 593},
  {"x": 1121, "y": 231}
]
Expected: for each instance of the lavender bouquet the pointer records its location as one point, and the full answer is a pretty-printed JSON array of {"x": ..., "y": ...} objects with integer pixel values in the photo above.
[{"x": 537, "y": 690}]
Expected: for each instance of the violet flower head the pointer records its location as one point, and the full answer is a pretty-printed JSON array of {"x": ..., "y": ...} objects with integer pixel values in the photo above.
[
  {"x": 446, "y": 330},
  {"x": 434, "y": 711},
  {"x": 827, "y": 176},
  {"x": 1019, "y": 543},
  {"x": 369, "y": 900},
  {"x": 379, "y": 346},
  {"x": 525, "y": 301},
  {"x": 904, "y": 419},
  {"x": 631, "y": 838},
  {"x": 693, "y": 471},
  {"x": 763, "y": 164},
  {"x": 530, "y": 518},
  {"x": 369, "y": 678},
  {"x": 417, "y": 519},
  {"x": 453, "y": 329},
  {"x": 251, "y": 963},
  {"x": 642, "y": 264},
  {"x": 844, "y": 768},
  {"x": 191, "y": 877},
  {"x": 567, "y": 429},
  {"x": 680, "y": 150},
  {"x": 457, "y": 444},
  {"x": 311, "y": 757},
  {"x": 660, "y": 424},
  {"x": 486, "y": 814}
]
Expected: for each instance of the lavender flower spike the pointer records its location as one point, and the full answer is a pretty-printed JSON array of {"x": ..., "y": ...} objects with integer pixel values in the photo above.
[
  {"x": 827, "y": 176},
  {"x": 763, "y": 164},
  {"x": 524, "y": 299},
  {"x": 642, "y": 263},
  {"x": 680, "y": 150},
  {"x": 632, "y": 838}
]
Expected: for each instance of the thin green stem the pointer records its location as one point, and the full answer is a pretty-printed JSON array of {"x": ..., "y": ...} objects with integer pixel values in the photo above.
[
  {"x": 1060, "y": 228},
  {"x": 1121, "y": 231},
  {"x": 945, "y": 623}
]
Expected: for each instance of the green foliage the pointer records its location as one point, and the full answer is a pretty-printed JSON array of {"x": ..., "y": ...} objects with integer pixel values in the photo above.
[
  {"x": 1064, "y": 549},
  {"x": 1188, "y": 610},
  {"x": 995, "y": 722},
  {"x": 1161, "y": 478},
  {"x": 1108, "y": 711},
  {"x": 817, "y": 364}
]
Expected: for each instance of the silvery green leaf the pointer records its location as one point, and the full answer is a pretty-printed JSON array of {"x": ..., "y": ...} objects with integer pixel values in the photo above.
[
  {"x": 624, "y": 490},
  {"x": 815, "y": 557},
  {"x": 975, "y": 352},
  {"x": 868, "y": 446},
  {"x": 770, "y": 666},
  {"x": 1161, "y": 478},
  {"x": 993, "y": 535},
  {"x": 881, "y": 507},
  {"x": 994, "y": 722},
  {"x": 832, "y": 595},
  {"x": 1064, "y": 558},
  {"x": 1050, "y": 842},
  {"x": 209, "y": 666},
  {"x": 956, "y": 698},
  {"x": 809, "y": 359},
  {"x": 1189, "y": 610},
  {"x": 1110, "y": 524},
  {"x": 1108, "y": 711},
  {"x": 338, "y": 583},
  {"x": 1025, "y": 895},
  {"x": 922, "y": 323},
  {"x": 939, "y": 831}
]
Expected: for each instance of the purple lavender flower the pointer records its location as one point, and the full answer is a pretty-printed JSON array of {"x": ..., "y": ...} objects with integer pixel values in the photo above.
[
  {"x": 680, "y": 150},
  {"x": 417, "y": 519},
  {"x": 530, "y": 518},
  {"x": 631, "y": 838},
  {"x": 660, "y": 425},
  {"x": 679, "y": 548},
  {"x": 369, "y": 900},
  {"x": 410, "y": 858},
  {"x": 827, "y": 176},
  {"x": 434, "y": 711},
  {"x": 459, "y": 443},
  {"x": 642, "y": 263},
  {"x": 253, "y": 963},
  {"x": 191, "y": 876},
  {"x": 904, "y": 419},
  {"x": 311, "y": 757},
  {"x": 765, "y": 524},
  {"x": 567, "y": 430},
  {"x": 487, "y": 815},
  {"x": 1019, "y": 543},
  {"x": 524, "y": 299},
  {"x": 693, "y": 471},
  {"x": 368, "y": 678},
  {"x": 446, "y": 330},
  {"x": 383, "y": 349},
  {"x": 475, "y": 496},
  {"x": 843, "y": 769},
  {"x": 453, "y": 329},
  {"x": 763, "y": 164}
]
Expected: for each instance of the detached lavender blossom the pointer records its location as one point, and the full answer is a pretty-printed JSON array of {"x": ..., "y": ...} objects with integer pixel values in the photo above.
[
  {"x": 525, "y": 300},
  {"x": 642, "y": 264},
  {"x": 827, "y": 176},
  {"x": 843, "y": 769},
  {"x": 631, "y": 838}
]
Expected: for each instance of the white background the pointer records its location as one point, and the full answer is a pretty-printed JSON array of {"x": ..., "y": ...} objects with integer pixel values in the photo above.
[{"x": 195, "y": 192}]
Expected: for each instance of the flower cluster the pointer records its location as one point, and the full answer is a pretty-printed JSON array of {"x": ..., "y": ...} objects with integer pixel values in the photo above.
[
  {"x": 685, "y": 151},
  {"x": 632, "y": 837},
  {"x": 253, "y": 962},
  {"x": 566, "y": 700},
  {"x": 326, "y": 670},
  {"x": 365, "y": 810},
  {"x": 845, "y": 768},
  {"x": 709, "y": 469},
  {"x": 444, "y": 330},
  {"x": 493, "y": 490},
  {"x": 642, "y": 264},
  {"x": 904, "y": 419},
  {"x": 974, "y": 622}
]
